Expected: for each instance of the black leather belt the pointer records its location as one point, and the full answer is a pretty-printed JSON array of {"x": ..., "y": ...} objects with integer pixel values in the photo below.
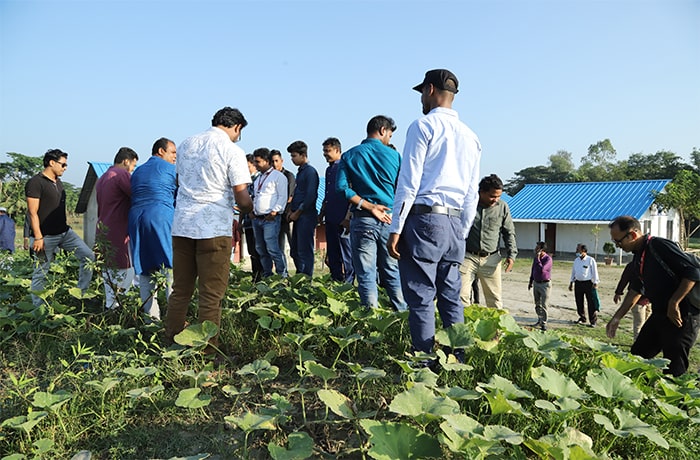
[
  {"x": 543, "y": 281},
  {"x": 262, "y": 216},
  {"x": 444, "y": 210},
  {"x": 362, "y": 213},
  {"x": 482, "y": 253}
]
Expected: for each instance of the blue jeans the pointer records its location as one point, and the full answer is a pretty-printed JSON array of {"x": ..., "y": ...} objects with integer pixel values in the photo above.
[
  {"x": 369, "y": 253},
  {"x": 267, "y": 245},
  {"x": 339, "y": 253},
  {"x": 432, "y": 249},
  {"x": 302, "y": 246},
  {"x": 68, "y": 241}
]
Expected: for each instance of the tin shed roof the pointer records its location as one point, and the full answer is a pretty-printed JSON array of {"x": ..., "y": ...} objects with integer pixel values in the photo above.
[
  {"x": 95, "y": 170},
  {"x": 584, "y": 201}
]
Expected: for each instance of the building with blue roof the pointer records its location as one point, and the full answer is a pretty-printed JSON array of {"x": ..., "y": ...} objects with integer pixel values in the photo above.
[{"x": 566, "y": 214}]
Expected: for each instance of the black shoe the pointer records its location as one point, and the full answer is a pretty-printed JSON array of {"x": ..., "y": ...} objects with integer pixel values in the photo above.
[
  {"x": 543, "y": 327},
  {"x": 432, "y": 364},
  {"x": 592, "y": 325},
  {"x": 536, "y": 325},
  {"x": 581, "y": 321}
]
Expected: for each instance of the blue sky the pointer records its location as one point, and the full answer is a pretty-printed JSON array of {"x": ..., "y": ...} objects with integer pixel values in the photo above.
[{"x": 535, "y": 76}]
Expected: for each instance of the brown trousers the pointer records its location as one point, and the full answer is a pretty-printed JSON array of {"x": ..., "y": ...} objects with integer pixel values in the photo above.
[{"x": 207, "y": 261}]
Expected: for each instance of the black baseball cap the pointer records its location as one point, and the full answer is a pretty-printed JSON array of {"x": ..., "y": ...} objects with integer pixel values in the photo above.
[{"x": 440, "y": 79}]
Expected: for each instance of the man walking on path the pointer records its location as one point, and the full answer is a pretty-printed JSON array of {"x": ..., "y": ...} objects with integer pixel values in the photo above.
[
  {"x": 584, "y": 278},
  {"x": 540, "y": 279},
  {"x": 434, "y": 205},
  {"x": 367, "y": 177},
  {"x": 46, "y": 208},
  {"x": 303, "y": 209},
  {"x": 482, "y": 259},
  {"x": 213, "y": 176}
]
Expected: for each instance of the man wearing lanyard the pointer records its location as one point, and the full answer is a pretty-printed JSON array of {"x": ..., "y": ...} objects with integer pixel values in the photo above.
[
  {"x": 270, "y": 189},
  {"x": 434, "y": 207},
  {"x": 367, "y": 175},
  {"x": 665, "y": 275},
  {"x": 540, "y": 277}
]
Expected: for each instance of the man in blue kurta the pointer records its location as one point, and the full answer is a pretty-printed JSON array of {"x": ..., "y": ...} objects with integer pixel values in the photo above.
[{"x": 367, "y": 176}]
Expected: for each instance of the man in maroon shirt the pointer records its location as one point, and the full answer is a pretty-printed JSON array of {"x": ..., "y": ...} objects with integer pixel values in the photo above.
[
  {"x": 540, "y": 279},
  {"x": 113, "y": 190}
]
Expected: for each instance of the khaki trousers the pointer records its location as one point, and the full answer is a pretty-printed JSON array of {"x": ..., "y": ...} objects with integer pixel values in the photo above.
[
  {"x": 206, "y": 261},
  {"x": 488, "y": 271}
]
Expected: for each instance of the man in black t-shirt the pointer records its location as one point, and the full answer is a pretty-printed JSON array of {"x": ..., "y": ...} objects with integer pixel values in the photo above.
[
  {"x": 665, "y": 275},
  {"x": 46, "y": 210}
]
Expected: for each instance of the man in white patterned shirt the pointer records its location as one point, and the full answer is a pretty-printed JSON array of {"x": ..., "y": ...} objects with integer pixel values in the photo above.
[
  {"x": 270, "y": 190},
  {"x": 212, "y": 176}
]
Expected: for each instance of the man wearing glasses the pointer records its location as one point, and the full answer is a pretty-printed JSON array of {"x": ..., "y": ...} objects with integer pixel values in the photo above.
[
  {"x": 46, "y": 208},
  {"x": 665, "y": 275}
]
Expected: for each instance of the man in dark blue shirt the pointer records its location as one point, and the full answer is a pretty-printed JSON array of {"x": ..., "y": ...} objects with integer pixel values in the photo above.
[
  {"x": 303, "y": 209},
  {"x": 334, "y": 211}
]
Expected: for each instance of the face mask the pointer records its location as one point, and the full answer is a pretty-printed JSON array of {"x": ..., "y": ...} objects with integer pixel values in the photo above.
[{"x": 578, "y": 254}]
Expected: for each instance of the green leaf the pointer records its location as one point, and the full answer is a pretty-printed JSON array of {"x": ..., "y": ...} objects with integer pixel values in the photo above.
[
  {"x": 338, "y": 403},
  {"x": 319, "y": 317},
  {"x": 197, "y": 335},
  {"x": 104, "y": 385},
  {"x": 502, "y": 433},
  {"x": 631, "y": 425},
  {"x": 25, "y": 422},
  {"x": 269, "y": 323},
  {"x": 297, "y": 339},
  {"x": 505, "y": 386},
  {"x": 191, "y": 399},
  {"x": 556, "y": 383},
  {"x": 371, "y": 373},
  {"x": 230, "y": 390},
  {"x": 392, "y": 441},
  {"x": 549, "y": 345},
  {"x": 500, "y": 404},
  {"x": 459, "y": 393},
  {"x": 423, "y": 404},
  {"x": 337, "y": 307},
  {"x": 140, "y": 371},
  {"x": 450, "y": 363},
  {"x": 425, "y": 376},
  {"x": 458, "y": 335},
  {"x": 51, "y": 401},
  {"x": 250, "y": 422},
  {"x": 145, "y": 392},
  {"x": 320, "y": 371},
  {"x": 300, "y": 444},
  {"x": 42, "y": 446},
  {"x": 610, "y": 383},
  {"x": 261, "y": 369}
]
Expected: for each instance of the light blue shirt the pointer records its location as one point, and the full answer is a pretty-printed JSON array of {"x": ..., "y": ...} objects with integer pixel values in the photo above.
[{"x": 440, "y": 167}]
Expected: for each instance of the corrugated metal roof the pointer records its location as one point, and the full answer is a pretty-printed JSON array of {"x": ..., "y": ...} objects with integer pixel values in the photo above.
[
  {"x": 95, "y": 170},
  {"x": 584, "y": 201}
]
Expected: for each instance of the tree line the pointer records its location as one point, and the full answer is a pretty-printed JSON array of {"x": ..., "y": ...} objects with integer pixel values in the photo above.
[{"x": 600, "y": 165}]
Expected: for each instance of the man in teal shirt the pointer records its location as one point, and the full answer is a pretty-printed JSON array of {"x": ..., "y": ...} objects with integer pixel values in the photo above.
[{"x": 367, "y": 176}]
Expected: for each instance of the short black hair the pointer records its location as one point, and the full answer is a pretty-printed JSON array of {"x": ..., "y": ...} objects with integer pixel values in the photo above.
[
  {"x": 490, "y": 182},
  {"x": 332, "y": 142},
  {"x": 275, "y": 152},
  {"x": 125, "y": 153},
  {"x": 542, "y": 245},
  {"x": 229, "y": 117},
  {"x": 299, "y": 147},
  {"x": 625, "y": 223},
  {"x": 161, "y": 143},
  {"x": 263, "y": 153},
  {"x": 250, "y": 158},
  {"x": 583, "y": 248},
  {"x": 376, "y": 123},
  {"x": 53, "y": 155}
]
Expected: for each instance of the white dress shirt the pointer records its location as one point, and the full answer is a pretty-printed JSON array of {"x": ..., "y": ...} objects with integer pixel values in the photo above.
[
  {"x": 208, "y": 166},
  {"x": 270, "y": 189},
  {"x": 585, "y": 270},
  {"x": 440, "y": 167}
]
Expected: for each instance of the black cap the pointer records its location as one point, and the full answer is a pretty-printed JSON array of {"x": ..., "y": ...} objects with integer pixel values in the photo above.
[{"x": 441, "y": 79}]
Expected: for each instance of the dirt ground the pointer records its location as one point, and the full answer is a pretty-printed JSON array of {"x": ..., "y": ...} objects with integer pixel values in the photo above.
[{"x": 519, "y": 301}]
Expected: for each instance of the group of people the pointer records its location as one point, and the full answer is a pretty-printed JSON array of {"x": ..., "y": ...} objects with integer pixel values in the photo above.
[{"x": 421, "y": 225}]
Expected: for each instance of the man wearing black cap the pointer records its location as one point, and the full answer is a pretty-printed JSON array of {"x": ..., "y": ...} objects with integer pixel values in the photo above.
[{"x": 434, "y": 206}]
